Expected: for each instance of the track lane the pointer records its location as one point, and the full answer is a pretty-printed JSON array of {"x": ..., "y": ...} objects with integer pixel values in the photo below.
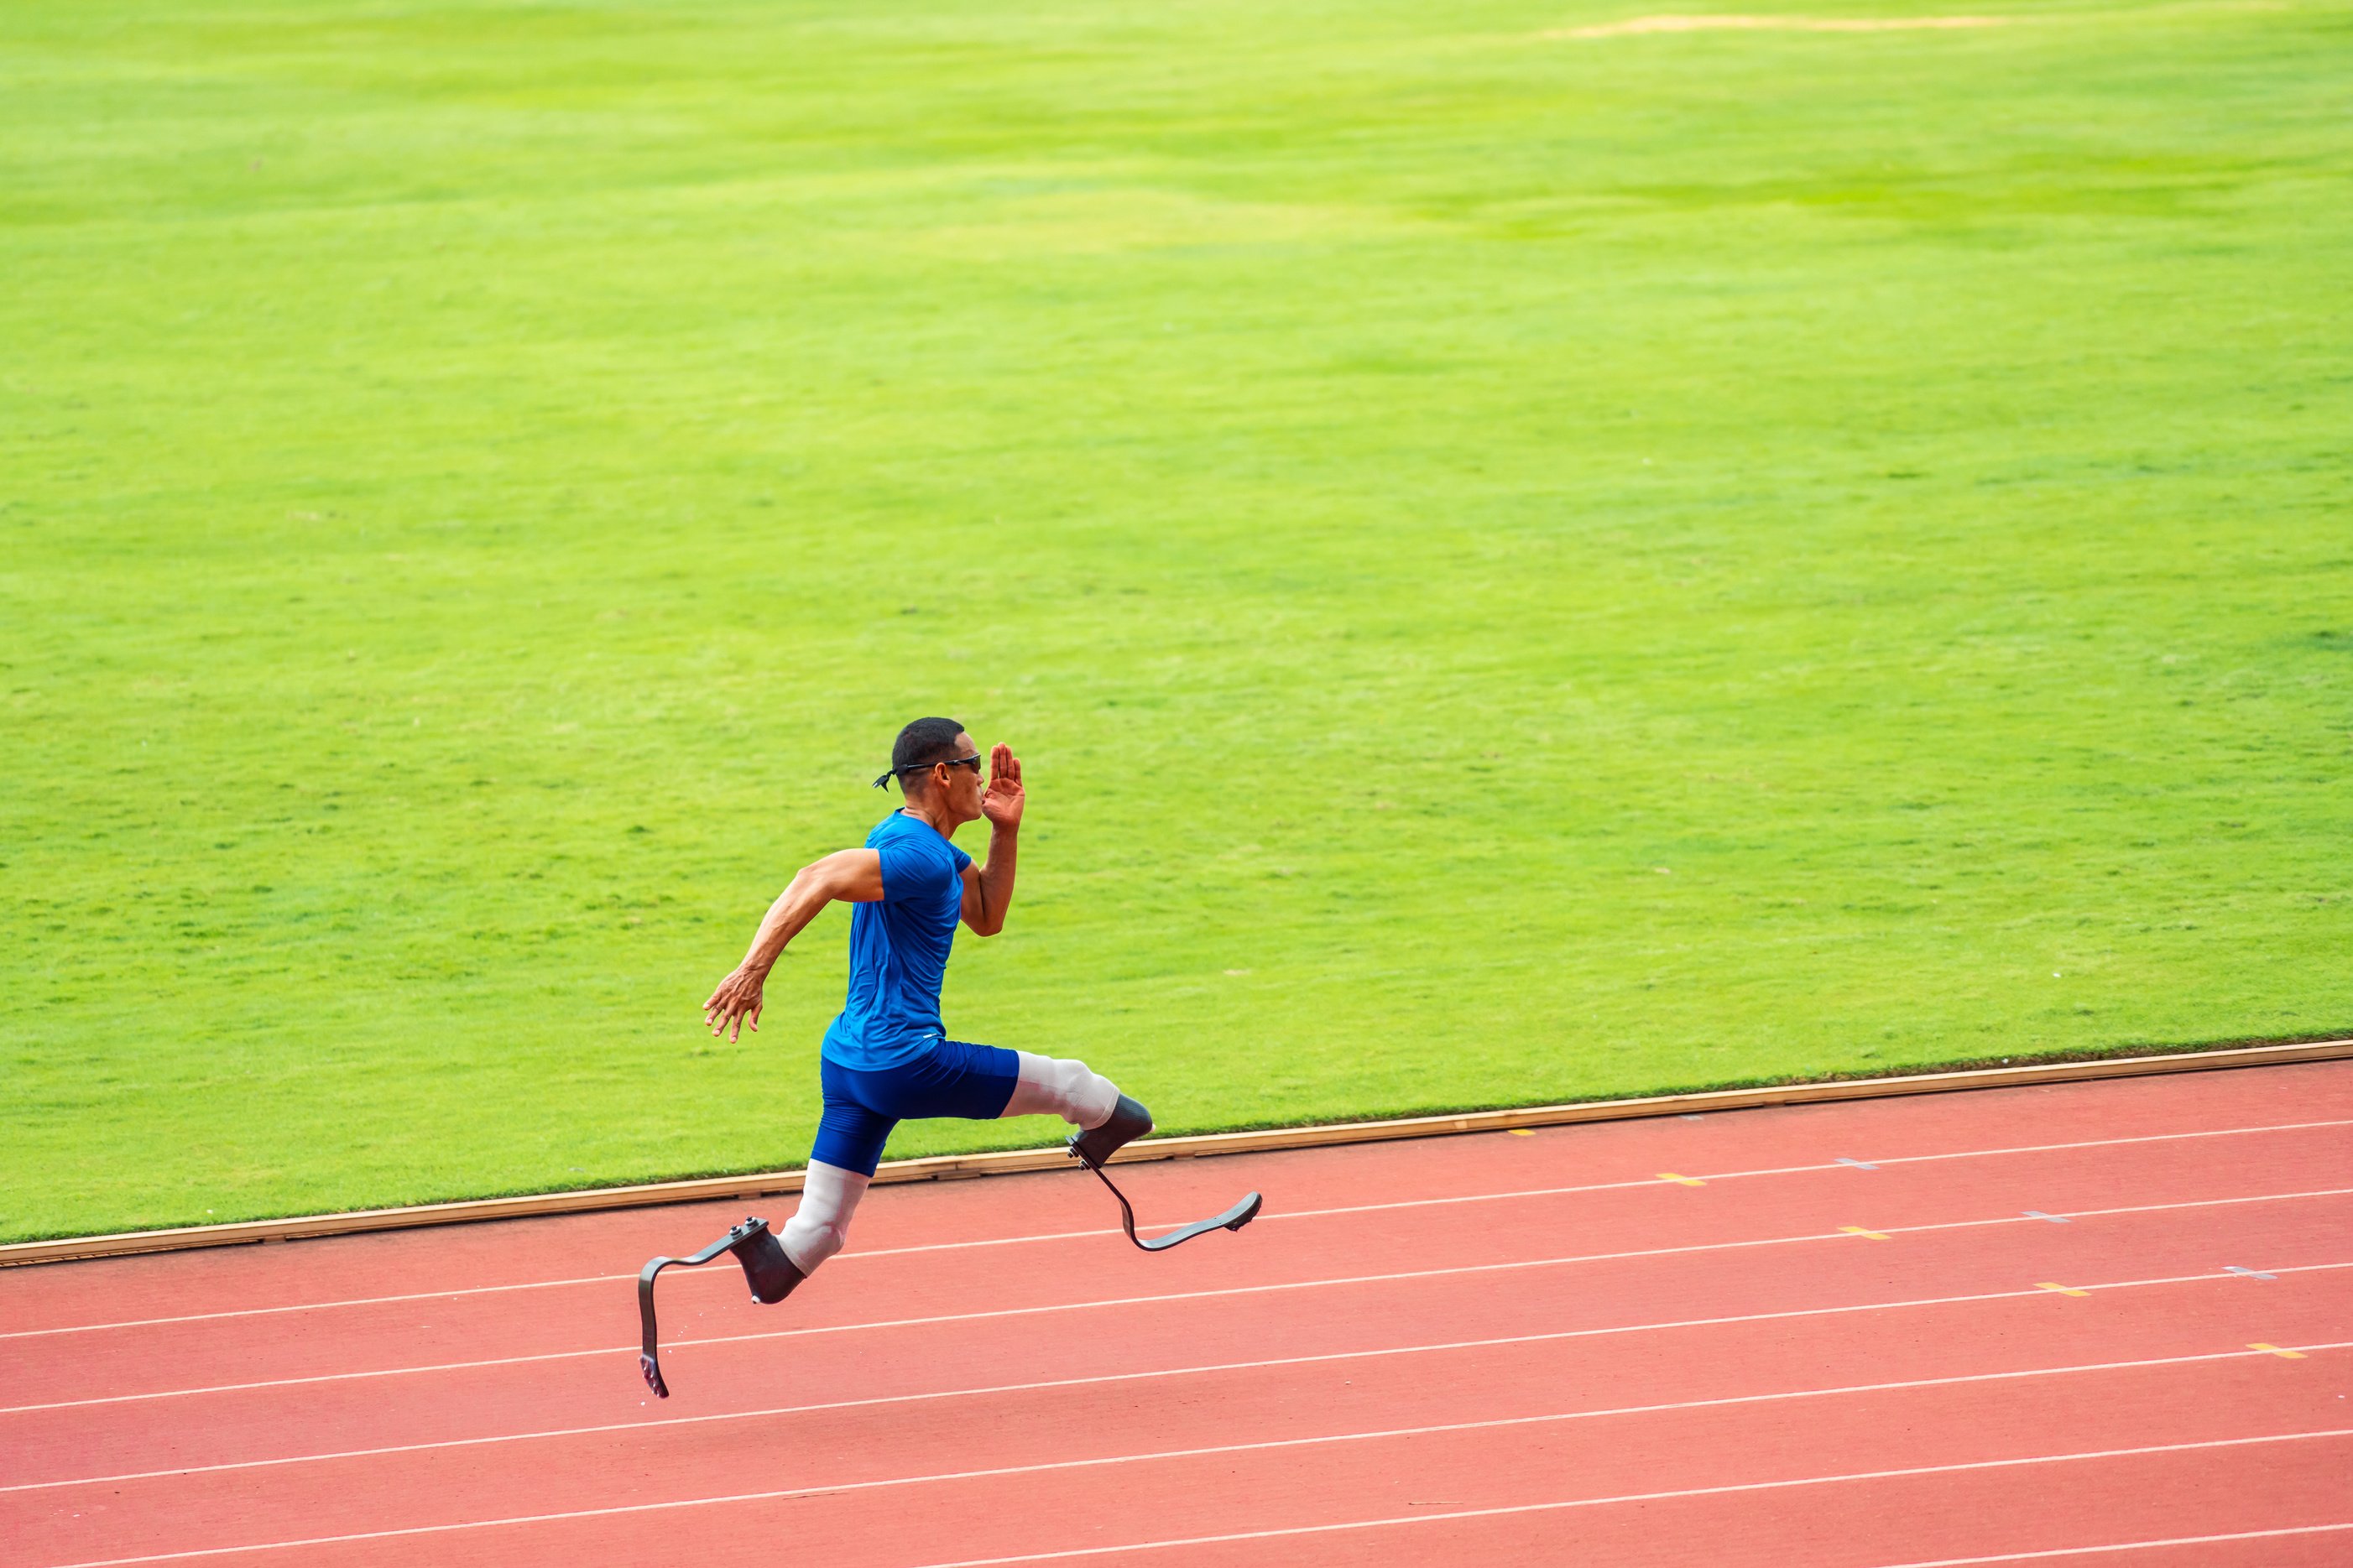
[
  {"x": 1831, "y": 1273},
  {"x": 1544, "y": 1384},
  {"x": 519, "y": 1252},
  {"x": 2228, "y": 1314},
  {"x": 1846, "y": 1276},
  {"x": 1271, "y": 1488},
  {"x": 1046, "y": 1423},
  {"x": 587, "y": 1281},
  {"x": 482, "y": 1329},
  {"x": 2026, "y": 1506},
  {"x": 2186, "y": 1319}
]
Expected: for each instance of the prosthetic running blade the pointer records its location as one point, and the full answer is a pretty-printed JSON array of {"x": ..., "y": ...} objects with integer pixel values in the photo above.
[
  {"x": 1131, "y": 1114},
  {"x": 770, "y": 1273},
  {"x": 1234, "y": 1218}
]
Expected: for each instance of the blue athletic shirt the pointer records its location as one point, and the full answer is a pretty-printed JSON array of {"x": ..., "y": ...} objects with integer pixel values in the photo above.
[{"x": 898, "y": 949}]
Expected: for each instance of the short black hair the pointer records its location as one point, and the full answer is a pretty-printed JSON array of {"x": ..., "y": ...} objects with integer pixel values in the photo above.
[{"x": 920, "y": 744}]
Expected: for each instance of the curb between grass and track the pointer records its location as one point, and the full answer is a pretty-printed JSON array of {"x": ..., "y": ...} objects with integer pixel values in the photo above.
[{"x": 950, "y": 1167}]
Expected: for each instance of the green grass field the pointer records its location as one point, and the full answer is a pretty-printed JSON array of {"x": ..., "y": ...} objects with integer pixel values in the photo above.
[{"x": 1521, "y": 565}]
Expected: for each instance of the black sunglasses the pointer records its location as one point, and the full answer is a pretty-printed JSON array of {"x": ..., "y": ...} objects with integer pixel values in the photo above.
[{"x": 972, "y": 761}]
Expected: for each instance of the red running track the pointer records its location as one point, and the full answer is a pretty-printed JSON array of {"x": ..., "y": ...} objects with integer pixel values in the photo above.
[{"x": 2090, "y": 1323}]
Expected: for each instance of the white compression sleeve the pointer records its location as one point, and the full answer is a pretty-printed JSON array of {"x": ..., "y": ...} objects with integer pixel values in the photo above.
[
  {"x": 1070, "y": 1089},
  {"x": 829, "y": 1196}
]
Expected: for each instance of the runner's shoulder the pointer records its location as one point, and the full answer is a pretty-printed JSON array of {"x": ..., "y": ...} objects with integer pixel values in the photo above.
[{"x": 915, "y": 850}]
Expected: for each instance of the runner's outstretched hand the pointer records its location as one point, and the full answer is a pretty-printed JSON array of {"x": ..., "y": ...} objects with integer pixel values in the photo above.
[
  {"x": 737, "y": 1002},
  {"x": 852, "y": 874},
  {"x": 1002, "y": 804}
]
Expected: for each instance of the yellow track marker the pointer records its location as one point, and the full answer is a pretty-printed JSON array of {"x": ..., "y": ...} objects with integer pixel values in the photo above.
[
  {"x": 2062, "y": 1290},
  {"x": 1524, "y": 1131},
  {"x": 2275, "y": 1349},
  {"x": 1681, "y": 1181},
  {"x": 1858, "y": 1230}
]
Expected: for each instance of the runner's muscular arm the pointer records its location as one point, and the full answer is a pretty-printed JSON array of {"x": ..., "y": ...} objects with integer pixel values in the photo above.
[
  {"x": 988, "y": 889},
  {"x": 854, "y": 876}
]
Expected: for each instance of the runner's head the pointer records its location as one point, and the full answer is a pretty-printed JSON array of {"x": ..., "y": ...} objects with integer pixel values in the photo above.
[{"x": 935, "y": 762}]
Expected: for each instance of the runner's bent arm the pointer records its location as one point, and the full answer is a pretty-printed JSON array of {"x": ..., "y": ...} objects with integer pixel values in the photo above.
[
  {"x": 854, "y": 876},
  {"x": 988, "y": 889}
]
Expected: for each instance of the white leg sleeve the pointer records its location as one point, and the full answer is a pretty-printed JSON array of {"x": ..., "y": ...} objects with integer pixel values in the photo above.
[
  {"x": 829, "y": 1196},
  {"x": 1052, "y": 1087}
]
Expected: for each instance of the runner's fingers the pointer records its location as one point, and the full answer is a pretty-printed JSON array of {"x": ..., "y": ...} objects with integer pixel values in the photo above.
[{"x": 727, "y": 1006}]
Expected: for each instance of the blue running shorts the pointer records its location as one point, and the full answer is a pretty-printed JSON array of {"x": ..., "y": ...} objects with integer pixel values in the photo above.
[{"x": 862, "y": 1105}]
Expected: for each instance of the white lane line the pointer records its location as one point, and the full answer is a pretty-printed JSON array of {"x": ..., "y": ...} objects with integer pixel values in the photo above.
[
  {"x": 1638, "y": 1498},
  {"x": 2108, "y": 1142},
  {"x": 183, "y": 1471},
  {"x": 2128, "y": 1546},
  {"x": 1137, "y": 1302},
  {"x": 1081, "y": 1235},
  {"x": 537, "y": 1285},
  {"x": 1000, "y": 1471},
  {"x": 1783, "y": 1170}
]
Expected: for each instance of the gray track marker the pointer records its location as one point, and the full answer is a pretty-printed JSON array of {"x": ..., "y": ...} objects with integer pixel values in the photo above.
[
  {"x": 2053, "y": 1218},
  {"x": 1858, "y": 1164},
  {"x": 2247, "y": 1273}
]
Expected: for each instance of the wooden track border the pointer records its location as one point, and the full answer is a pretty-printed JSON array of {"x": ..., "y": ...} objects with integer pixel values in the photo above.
[{"x": 949, "y": 1167}]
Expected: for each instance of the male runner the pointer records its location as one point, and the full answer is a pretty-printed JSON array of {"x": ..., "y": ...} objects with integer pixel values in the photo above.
[{"x": 888, "y": 1058}]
